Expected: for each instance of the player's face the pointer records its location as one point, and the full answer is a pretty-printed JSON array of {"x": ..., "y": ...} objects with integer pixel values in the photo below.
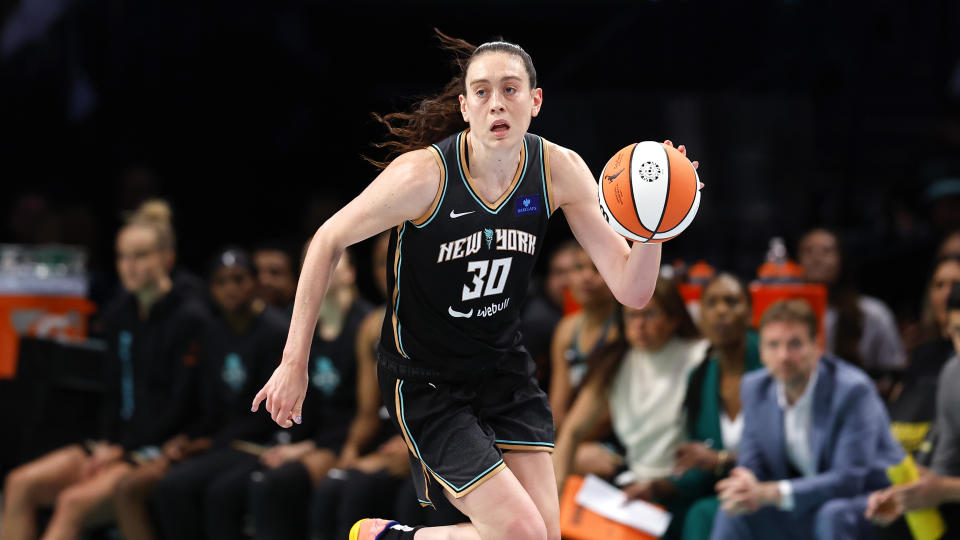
[
  {"x": 788, "y": 352},
  {"x": 140, "y": 262},
  {"x": 724, "y": 312},
  {"x": 275, "y": 284},
  {"x": 499, "y": 103},
  {"x": 648, "y": 328},
  {"x": 945, "y": 276},
  {"x": 232, "y": 288},
  {"x": 586, "y": 285},
  {"x": 820, "y": 257}
]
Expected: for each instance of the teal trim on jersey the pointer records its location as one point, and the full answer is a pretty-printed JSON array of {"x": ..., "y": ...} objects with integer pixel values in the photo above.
[
  {"x": 523, "y": 174},
  {"x": 524, "y": 442},
  {"x": 425, "y": 502},
  {"x": 403, "y": 419},
  {"x": 396, "y": 305},
  {"x": 446, "y": 181},
  {"x": 543, "y": 178}
]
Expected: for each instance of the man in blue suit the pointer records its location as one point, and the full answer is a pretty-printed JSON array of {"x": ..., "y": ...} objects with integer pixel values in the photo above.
[{"x": 816, "y": 440}]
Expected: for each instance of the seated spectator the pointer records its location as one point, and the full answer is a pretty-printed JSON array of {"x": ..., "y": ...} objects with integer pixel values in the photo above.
[
  {"x": 912, "y": 411},
  {"x": 641, "y": 379},
  {"x": 934, "y": 348},
  {"x": 198, "y": 501},
  {"x": 714, "y": 419},
  {"x": 860, "y": 329},
  {"x": 816, "y": 440},
  {"x": 940, "y": 485},
  {"x": 159, "y": 210},
  {"x": 276, "y": 275},
  {"x": 280, "y": 491},
  {"x": 374, "y": 465},
  {"x": 238, "y": 353},
  {"x": 580, "y": 334},
  {"x": 950, "y": 246},
  {"x": 152, "y": 331},
  {"x": 543, "y": 307}
]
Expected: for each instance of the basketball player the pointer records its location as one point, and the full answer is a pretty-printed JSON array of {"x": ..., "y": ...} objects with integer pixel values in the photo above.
[{"x": 468, "y": 215}]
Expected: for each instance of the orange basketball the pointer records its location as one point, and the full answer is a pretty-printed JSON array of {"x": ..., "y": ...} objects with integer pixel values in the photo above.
[{"x": 649, "y": 192}]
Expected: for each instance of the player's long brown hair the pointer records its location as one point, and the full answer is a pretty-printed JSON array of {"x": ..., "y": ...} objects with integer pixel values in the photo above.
[{"x": 435, "y": 118}]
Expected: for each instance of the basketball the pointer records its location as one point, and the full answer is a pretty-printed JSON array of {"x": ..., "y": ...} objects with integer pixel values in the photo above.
[{"x": 649, "y": 192}]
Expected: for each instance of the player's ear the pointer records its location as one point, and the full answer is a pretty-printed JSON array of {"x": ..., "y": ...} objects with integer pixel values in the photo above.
[
  {"x": 463, "y": 108},
  {"x": 537, "y": 101}
]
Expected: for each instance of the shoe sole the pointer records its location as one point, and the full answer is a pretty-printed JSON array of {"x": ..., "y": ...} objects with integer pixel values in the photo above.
[{"x": 355, "y": 530}]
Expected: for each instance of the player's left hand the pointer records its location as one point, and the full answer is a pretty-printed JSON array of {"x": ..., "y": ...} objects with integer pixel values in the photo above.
[{"x": 683, "y": 150}]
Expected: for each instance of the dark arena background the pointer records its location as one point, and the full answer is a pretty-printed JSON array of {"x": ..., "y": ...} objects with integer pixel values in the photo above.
[{"x": 252, "y": 119}]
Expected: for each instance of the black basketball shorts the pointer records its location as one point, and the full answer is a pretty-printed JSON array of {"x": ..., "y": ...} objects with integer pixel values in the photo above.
[{"x": 456, "y": 432}]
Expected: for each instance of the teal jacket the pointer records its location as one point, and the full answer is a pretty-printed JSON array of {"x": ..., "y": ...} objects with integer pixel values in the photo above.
[{"x": 703, "y": 416}]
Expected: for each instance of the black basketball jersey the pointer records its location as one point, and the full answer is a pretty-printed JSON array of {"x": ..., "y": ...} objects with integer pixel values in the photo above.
[{"x": 460, "y": 273}]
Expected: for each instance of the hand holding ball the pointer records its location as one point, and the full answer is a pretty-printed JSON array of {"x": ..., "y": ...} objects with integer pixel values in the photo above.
[{"x": 649, "y": 192}]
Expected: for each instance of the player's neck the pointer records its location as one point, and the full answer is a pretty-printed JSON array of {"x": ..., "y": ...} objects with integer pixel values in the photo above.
[{"x": 492, "y": 167}]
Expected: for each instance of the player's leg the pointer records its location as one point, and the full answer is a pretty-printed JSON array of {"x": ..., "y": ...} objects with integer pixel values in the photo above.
[
  {"x": 534, "y": 471},
  {"x": 519, "y": 414},
  {"x": 36, "y": 484},
  {"x": 449, "y": 447},
  {"x": 85, "y": 503},
  {"x": 498, "y": 508}
]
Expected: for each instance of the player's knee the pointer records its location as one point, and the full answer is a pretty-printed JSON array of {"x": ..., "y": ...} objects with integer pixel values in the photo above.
[{"x": 526, "y": 526}]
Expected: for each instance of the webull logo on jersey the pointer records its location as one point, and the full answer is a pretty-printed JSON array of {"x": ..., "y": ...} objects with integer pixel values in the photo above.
[
  {"x": 506, "y": 240},
  {"x": 488, "y": 311},
  {"x": 493, "y": 309}
]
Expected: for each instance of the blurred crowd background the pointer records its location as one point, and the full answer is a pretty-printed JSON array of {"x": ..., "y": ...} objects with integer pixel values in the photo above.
[{"x": 249, "y": 123}]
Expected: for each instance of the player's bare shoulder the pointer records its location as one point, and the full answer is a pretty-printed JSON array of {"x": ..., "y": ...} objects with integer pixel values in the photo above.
[
  {"x": 569, "y": 174},
  {"x": 413, "y": 180}
]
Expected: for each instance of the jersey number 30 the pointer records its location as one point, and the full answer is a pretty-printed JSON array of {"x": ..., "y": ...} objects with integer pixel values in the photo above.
[{"x": 495, "y": 282}]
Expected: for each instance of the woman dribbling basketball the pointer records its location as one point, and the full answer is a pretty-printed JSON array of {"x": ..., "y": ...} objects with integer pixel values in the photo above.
[{"x": 468, "y": 216}]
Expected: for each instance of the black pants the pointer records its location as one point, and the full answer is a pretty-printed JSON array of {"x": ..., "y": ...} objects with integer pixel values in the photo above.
[
  {"x": 280, "y": 501},
  {"x": 340, "y": 500},
  {"x": 193, "y": 495}
]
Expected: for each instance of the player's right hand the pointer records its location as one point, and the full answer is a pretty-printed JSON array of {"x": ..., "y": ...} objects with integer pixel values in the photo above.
[{"x": 284, "y": 393}]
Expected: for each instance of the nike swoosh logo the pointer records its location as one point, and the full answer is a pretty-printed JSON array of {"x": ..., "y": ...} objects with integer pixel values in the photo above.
[
  {"x": 454, "y": 215},
  {"x": 610, "y": 177},
  {"x": 455, "y": 313}
]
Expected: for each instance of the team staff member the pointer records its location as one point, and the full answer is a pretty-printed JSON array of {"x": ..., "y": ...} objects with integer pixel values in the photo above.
[
  {"x": 281, "y": 495},
  {"x": 237, "y": 354},
  {"x": 468, "y": 216},
  {"x": 149, "y": 379}
]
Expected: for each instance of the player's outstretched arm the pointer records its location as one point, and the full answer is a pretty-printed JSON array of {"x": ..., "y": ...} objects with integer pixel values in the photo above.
[
  {"x": 405, "y": 190},
  {"x": 631, "y": 273}
]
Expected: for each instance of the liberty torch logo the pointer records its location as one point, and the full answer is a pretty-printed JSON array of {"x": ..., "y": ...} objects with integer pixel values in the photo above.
[{"x": 488, "y": 234}]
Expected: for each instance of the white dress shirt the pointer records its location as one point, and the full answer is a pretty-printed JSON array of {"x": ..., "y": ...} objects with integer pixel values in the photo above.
[
  {"x": 797, "y": 422},
  {"x": 731, "y": 431}
]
